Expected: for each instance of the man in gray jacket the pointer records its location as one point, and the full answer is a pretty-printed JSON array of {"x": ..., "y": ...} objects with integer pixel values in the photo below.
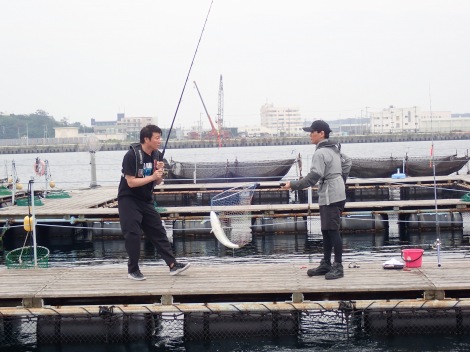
[{"x": 330, "y": 169}]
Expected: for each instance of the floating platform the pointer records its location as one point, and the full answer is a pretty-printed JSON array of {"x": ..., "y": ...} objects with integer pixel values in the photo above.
[
  {"x": 67, "y": 304},
  {"x": 62, "y": 286},
  {"x": 99, "y": 205}
]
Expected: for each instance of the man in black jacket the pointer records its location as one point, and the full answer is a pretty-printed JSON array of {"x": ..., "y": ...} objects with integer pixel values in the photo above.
[{"x": 141, "y": 170}]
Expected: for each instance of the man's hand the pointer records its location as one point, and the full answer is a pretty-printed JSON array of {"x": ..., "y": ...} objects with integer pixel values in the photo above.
[{"x": 158, "y": 175}]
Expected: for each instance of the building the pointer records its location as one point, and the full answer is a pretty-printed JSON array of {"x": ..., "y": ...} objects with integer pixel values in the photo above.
[
  {"x": 65, "y": 132},
  {"x": 281, "y": 121},
  {"x": 254, "y": 131},
  {"x": 404, "y": 120},
  {"x": 124, "y": 128},
  {"x": 108, "y": 130},
  {"x": 133, "y": 125},
  {"x": 446, "y": 125}
]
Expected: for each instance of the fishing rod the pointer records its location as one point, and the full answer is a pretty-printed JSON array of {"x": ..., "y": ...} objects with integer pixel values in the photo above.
[{"x": 185, "y": 82}]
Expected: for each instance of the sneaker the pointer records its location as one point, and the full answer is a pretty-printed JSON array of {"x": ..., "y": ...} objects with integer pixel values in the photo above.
[
  {"x": 336, "y": 272},
  {"x": 136, "y": 275},
  {"x": 322, "y": 269},
  {"x": 178, "y": 268}
]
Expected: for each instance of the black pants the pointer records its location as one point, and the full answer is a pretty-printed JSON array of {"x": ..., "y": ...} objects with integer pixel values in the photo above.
[
  {"x": 330, "y": 218},
  {"x": 136, "y": 216}
]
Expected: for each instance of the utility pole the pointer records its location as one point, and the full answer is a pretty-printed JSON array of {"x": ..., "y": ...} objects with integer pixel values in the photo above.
[
  {"x": 360, "y": 124},
  {"x": 367, "y": 107}
]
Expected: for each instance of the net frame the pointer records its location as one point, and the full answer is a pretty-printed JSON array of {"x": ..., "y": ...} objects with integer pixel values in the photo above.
[{"x": 234, "y": 218}]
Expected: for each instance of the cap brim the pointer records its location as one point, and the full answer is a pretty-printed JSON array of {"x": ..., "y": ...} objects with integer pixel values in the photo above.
[{"x": 307, "y": 129}]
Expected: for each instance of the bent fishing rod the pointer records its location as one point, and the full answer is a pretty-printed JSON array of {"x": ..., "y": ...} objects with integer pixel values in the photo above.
[{"x": 185, "y": 82}]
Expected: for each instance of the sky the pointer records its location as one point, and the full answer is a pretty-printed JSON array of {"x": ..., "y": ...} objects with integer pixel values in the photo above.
[{"x": 83, "y": 59}]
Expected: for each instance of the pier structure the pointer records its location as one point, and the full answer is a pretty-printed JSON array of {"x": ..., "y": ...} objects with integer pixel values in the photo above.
[
  {"x": 38, "y": 145},
  {"x": 98, "y": 303},
  {"x": 191, "y": 202},
  {"x": 68, "y": 304}
]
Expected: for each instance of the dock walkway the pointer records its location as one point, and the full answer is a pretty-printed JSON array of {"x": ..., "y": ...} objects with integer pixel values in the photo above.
[
  {"x": 58, "y": 286},
  {"x": 100, "y": 204}
]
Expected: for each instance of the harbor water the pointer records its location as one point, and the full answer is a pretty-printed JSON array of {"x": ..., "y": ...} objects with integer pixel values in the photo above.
[{"x": 72, "y": 171}]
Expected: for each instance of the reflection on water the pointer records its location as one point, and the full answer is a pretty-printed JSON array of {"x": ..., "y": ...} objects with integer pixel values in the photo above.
[{"x": 85, "y": 247}]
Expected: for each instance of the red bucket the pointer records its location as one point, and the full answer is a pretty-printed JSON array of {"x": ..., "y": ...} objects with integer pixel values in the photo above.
[{"x": 412, "y": 257}]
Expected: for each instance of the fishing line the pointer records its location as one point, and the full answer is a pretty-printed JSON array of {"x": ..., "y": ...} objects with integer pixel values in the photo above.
[{"x": 185, "y": 82}]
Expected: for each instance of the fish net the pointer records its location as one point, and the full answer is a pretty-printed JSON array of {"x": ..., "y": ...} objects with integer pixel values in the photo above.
[
  {"x": 23, "y": 258},
  {"x": 230, "y": 207},
  {"x": 57, "y": 194}
]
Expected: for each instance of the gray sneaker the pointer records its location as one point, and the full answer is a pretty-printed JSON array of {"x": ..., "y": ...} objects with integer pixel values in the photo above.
[
  {"x": 178, "y": 268},
  {"x": 322, "y": 269},
  {"x": 136, "y": 275},
  {"x": 336, "y": 272}
]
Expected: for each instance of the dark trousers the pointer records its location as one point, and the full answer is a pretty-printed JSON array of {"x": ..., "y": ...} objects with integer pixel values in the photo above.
[
  {"x": 136, "y": 216},
  {"x": 330, "y": 218}
]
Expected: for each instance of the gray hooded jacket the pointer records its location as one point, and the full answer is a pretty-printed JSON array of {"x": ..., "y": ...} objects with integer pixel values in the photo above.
[{"x": 330, "y": 168}]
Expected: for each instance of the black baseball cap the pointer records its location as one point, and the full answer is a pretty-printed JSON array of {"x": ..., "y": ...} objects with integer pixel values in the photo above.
[{"x": 318, "y": 125}]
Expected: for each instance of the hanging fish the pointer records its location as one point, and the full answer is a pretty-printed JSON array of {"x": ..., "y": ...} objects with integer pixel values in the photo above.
[{"x": 219, "y": 232}]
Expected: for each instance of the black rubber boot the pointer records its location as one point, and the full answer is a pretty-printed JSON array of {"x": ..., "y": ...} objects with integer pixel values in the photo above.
[
  {"x": 336, "y": 272},
  {"x": 322, "y": 269}
]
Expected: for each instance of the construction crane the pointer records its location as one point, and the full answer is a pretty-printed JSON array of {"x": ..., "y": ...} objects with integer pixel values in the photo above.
[
  {"x": 218, "y": 133},
  {"x": 214, "y": 132},
  {"x": 220, "y": 115}
]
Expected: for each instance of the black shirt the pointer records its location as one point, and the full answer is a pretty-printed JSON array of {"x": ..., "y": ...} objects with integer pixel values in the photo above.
[{"x": 144, "y": 192}]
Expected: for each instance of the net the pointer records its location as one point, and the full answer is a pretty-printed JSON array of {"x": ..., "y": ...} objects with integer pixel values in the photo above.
[
  {"x": 23, "y": 257},
  {"x": 23, "y": 202},
  {"x": 4, "y": 191},
  {"x": 57, "y": 194},
  {"x": 234, "y": 218}
]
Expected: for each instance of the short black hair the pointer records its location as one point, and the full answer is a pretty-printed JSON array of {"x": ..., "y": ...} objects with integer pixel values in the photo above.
[{"x": 148, "y": 131}]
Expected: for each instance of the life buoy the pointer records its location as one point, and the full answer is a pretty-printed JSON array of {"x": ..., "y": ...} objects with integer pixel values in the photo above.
[{"x": 39, "y": 167}]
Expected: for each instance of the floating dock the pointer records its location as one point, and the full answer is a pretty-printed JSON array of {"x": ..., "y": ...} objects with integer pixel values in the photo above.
[
  {"x": 100, "y": 204},
  {"x": 64, "y": 304},
  {"x": 206, "y": 302},
  {"x": 108, "y": 284}
]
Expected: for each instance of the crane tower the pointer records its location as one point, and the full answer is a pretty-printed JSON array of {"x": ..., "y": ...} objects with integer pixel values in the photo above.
[{"x": 220, "y": 114}]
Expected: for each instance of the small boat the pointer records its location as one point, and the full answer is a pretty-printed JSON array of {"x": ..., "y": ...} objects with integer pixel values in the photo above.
[
  {"x": 411, "y": 166},
  {"x": 236, "y": 171}
]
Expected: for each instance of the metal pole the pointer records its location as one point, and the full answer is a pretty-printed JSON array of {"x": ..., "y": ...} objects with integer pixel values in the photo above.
[
  {"x": 93, "y": 169},
  {"x": 14, "y": 180},
  {"x": 33, "y": 223}
]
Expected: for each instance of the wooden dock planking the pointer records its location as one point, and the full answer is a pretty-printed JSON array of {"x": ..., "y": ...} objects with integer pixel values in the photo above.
[
  {"x": 98, "y": 202},
  {"x": 82, "y": 202},
  {"x": 235, "y": 280},
  {"x": 84, "y": 205}
]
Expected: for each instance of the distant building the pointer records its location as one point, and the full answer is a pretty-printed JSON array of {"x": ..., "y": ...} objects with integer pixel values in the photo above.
[
  {"x": 446, "y": 125},
  {"x": 65, "y": 132},
  {"x": 281, "y": 121},
  {"x": 254, "y": 131},
  {"x": 402, "y": 120},
  {"x": 124, "y": 128}
]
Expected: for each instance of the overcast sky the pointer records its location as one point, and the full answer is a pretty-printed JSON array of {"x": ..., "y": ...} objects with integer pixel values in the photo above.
[{"x": 84, "y": 59}]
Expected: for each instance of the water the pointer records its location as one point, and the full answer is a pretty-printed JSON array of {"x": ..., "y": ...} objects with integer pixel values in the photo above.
[{"x": 72, "y": 171}]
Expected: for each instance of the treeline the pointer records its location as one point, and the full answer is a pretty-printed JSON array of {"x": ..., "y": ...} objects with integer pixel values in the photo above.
[{"x": 37, "y": 125}]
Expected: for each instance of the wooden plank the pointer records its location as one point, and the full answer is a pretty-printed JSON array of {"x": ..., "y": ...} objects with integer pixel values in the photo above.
[
  {"x": 94, "y": 202},
  {"x": 236, "y": 279}
]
